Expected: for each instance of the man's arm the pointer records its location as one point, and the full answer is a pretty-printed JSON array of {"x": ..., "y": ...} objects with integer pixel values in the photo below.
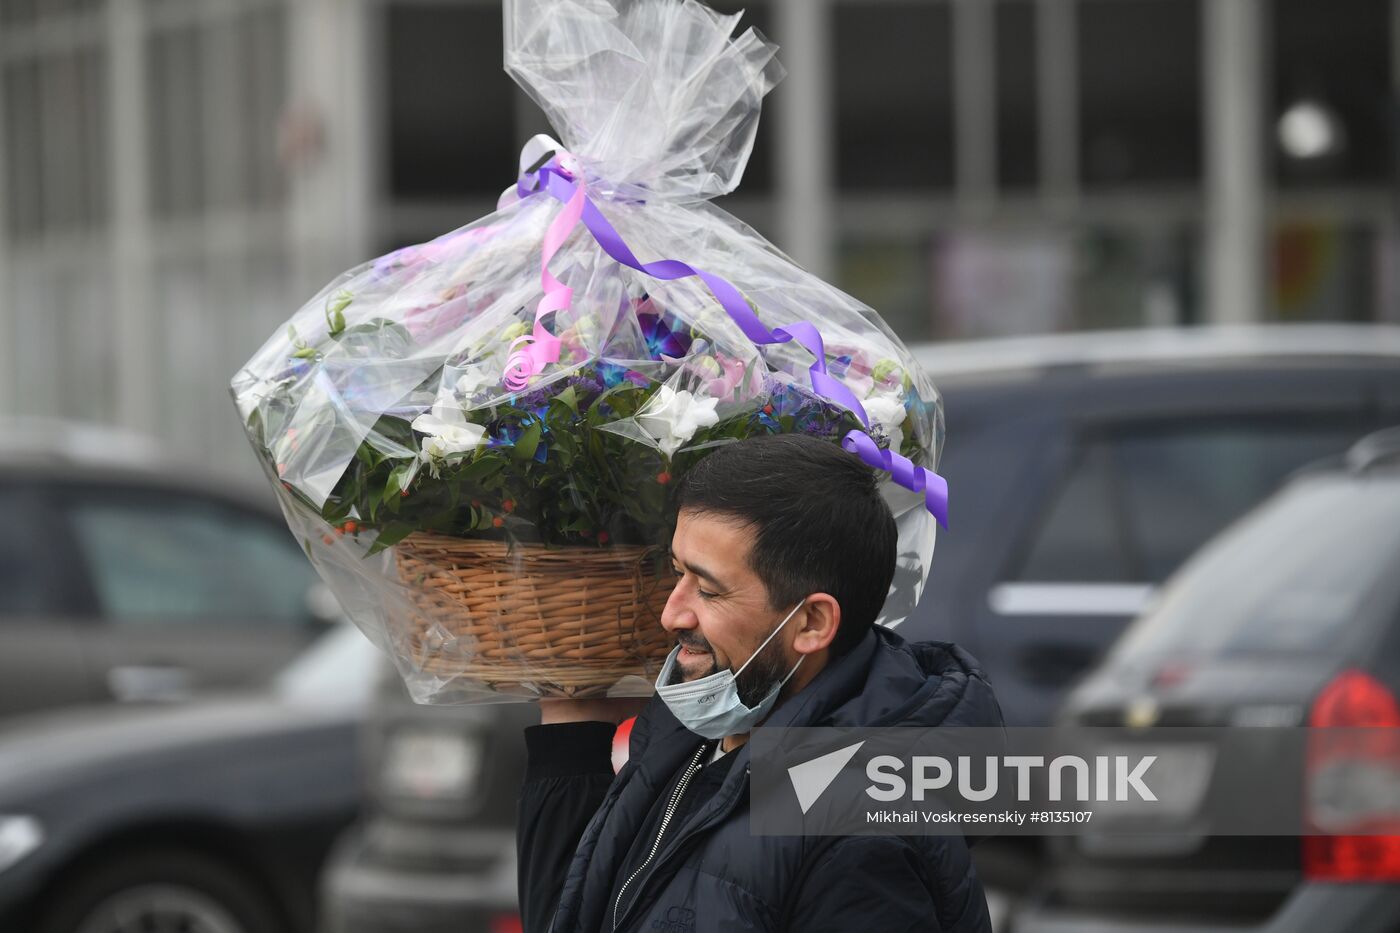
[
  {"x": 883, "y": 883},
  {"x": 568, "y": 768}
]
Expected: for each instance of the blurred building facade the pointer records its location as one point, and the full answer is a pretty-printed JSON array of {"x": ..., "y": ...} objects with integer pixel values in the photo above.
[{"x": 176, "y": 176}]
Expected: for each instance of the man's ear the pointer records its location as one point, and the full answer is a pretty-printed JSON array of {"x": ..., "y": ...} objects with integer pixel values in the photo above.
[{"x": 821, "y": 618}]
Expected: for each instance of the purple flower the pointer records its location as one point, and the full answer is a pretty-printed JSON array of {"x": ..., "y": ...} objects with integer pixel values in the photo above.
[
  {"x": 810, "y": 413},
  {"x": 664, "y": 335},
  {"x": 612, "y": 374},
  {"x": 585, "y": 385}
]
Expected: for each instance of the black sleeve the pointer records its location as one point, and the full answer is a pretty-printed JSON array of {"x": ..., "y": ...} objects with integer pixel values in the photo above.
[
  {"x": 568, "y": 767},
  {"x": 882, "y": 883}
]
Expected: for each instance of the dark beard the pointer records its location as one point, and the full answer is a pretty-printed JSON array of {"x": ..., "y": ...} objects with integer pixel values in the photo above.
[
  {"x": 754, "y": 682},
  {"x": 762, "y": 674}
]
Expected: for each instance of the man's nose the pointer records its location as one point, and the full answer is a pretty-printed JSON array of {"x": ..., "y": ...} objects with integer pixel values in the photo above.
[{"x": 676, "y": 615}]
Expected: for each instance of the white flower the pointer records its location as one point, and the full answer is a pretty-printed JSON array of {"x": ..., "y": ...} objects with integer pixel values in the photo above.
[
  {"x": 449, "y": 434},
  {"x": 672, "y": 417},
  {"x": 471, "y": 382},
  {"x": 887, "y": 411}
]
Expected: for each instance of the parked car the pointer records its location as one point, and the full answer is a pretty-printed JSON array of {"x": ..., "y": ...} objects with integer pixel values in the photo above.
[
  {"x": 434, "y": 851},
  {"x": 124, "y": 577},
  {"x": 1289, "y": 618},
  {"x": 213, "y": 815},
  {"x": 1083, "y": 469}
]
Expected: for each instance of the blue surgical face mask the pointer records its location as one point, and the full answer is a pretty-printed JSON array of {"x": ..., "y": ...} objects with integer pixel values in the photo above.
[{"x": 710, "y": 707}]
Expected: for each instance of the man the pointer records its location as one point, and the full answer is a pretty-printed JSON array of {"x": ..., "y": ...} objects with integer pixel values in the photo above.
[{"x": 784, "y": 551}]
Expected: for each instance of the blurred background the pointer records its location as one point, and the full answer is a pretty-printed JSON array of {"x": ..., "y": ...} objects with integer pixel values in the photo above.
[
  {"x": 178, "y": 175},
  {"x": 1149, "y": 249}
]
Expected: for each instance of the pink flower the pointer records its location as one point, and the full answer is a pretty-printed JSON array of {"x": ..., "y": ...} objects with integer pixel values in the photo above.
[{"x": 731, "y": 374}]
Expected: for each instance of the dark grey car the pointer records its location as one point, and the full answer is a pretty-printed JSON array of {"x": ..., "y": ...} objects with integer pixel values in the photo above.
[
  {"x": 1083, "y": 469},
  {"x": 121, "y": 580},
  {"x": 1290, "y": 618},
  {"x": 212, "y": 816}
]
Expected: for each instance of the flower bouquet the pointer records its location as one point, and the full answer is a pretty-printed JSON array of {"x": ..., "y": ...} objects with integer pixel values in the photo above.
[{"x": 474, "y": 438}]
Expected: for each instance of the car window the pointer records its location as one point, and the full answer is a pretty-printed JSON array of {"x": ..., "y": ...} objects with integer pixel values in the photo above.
[
  {"x": 1141, "y": 498},
  {"x": 163, "y": 557},
  {"x": 26, "y": 570},
  {"x": 1313, "y": 556},
  {"x": 1079, "y": 538},
  {"x": 1180, "y": 485}
]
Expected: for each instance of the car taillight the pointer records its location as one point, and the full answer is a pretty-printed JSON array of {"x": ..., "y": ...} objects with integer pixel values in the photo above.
[
  {"x": 507, "y": 923},
  {"x": 1353, "y": 778}
]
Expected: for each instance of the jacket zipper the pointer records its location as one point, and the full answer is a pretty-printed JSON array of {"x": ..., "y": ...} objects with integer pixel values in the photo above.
[{"x": 661, "y": 830}]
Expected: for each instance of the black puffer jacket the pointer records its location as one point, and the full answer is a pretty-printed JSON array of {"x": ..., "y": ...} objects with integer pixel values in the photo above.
[{"x": 714, "y": 876}]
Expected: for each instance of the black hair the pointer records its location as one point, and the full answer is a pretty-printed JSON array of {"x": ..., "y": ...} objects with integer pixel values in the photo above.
[{"x": 820, "y": 523}]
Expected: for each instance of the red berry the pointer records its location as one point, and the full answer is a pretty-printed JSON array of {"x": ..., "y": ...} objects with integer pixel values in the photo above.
[
  {"x": 327, "y": 539},
  {"x": 602, "y": 537},
  {"x": 403, "y": 494},
  {"x": 768, "y": 409},
  {"x": 351, "y": 527},
  {"x": 339, "y": 530},
  {"x": 663, "y": 477},
  {"x": 508, "y": 505},
  {"x": 498, "y": 521}
]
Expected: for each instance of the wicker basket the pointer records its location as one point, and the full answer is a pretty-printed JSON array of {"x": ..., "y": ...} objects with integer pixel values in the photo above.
[{"x": 560, "y": 621}]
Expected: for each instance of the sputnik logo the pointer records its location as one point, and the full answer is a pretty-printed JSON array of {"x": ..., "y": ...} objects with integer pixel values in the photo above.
[{"x": 811, "y": 778}]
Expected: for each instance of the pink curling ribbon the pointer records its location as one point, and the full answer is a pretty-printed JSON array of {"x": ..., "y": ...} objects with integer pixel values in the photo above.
[{"x": 541, "y": 347}]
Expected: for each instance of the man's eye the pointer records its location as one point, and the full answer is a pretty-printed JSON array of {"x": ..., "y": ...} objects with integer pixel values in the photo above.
[{"x": 680, "y": 573}]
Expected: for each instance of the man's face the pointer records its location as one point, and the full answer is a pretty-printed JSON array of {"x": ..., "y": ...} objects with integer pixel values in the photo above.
[{"x": 719, "y": 611}]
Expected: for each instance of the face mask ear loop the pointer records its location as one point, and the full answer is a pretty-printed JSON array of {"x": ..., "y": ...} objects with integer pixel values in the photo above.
[
  {"x": 793, "y": 671},
  {"x": 770, "y": 637}
]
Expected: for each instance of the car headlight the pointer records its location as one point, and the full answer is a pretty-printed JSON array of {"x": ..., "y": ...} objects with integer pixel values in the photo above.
[
  {"x": 19, "y": 836},
  {"x": 430, "y": 765}
]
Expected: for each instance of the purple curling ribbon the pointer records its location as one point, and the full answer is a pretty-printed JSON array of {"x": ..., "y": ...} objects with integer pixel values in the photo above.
[{"x": 565, "y": 184}]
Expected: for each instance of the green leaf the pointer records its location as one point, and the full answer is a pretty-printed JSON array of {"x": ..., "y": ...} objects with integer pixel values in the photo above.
[
  {"x": 570, "y": 398},
  {"x": 335, "y": 311},
  {"x": 608, "y": 396},
  {"x": 394, "y": 487},
  {"x": 481, "y": 469},
  {"x": 390, "y": 535},
  {"x": 529, "y": 442},
  {"x": 305, "y": 353}
]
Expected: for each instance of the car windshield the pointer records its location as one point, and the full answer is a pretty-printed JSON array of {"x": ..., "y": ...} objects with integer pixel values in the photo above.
[
  {"x": 1287, "y": 579},
  {"x": 340, "y": 668}
]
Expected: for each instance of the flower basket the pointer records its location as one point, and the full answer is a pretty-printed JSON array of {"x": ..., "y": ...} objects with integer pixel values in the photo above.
[
  {"x": 475, "y": 438},
  {"x": 568, "y": 621}
]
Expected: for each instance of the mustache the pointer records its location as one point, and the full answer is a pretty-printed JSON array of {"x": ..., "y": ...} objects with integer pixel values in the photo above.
[{"x": 694, "y": 642}]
